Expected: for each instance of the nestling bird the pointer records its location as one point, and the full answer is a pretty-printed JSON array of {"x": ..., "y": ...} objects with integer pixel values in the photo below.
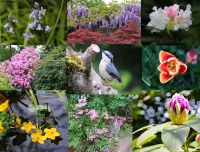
[{"x": 107, "y": 69}]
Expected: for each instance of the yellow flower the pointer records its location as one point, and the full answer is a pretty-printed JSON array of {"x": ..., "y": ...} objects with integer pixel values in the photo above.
[
  {"x": 51, "y": 133},
  {"x": 18, "y": 120},
  {"x": 38, "y": 137},
  {"x": 28, "y": 126},
  {"x": 1, "y": 127},
  {"x": 4, "y": 106}
]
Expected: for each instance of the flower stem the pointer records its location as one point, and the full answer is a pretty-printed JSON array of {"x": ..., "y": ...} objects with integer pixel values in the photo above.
[{"x": 55, "y": 25}]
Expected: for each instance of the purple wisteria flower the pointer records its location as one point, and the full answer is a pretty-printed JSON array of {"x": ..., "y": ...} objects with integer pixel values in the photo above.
[
  {"x": 81, "y": 11},
  {"x": 178, "y": 109},
  {"x": 198, "y": 139}
]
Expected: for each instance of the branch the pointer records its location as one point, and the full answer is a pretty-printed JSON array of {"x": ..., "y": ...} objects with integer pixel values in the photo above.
[{"x": 87, "y": 81}]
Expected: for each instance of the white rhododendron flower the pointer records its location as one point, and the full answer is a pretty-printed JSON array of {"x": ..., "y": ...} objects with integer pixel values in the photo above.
[
  {"x": 183, "y": 19},
  {"x": 170, "y": 18},
  {"x": 159, "y": 19}
]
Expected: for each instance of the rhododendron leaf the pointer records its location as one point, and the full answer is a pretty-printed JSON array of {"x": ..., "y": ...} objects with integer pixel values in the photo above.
[
  {"x": 150, "y": 148},
  {"x": 150, "y": 132},
  {"x": 194, "y": 123},
  {"x": 174, "y": 136}
]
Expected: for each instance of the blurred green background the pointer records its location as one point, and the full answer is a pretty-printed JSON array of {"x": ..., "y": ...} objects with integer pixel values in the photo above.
[
  {"x": 127, "y": 59},
  {"x": 180, "y": 37},
  {"x": 150, "y": 62}
]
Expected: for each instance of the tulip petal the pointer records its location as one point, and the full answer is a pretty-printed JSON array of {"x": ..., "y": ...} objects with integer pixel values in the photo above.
[
  {"x": 183, "y": 68},
  {"x": 163, "y": 67},
  {"x": 163, "y": 56},
  {"x": 164, "y": 77}
]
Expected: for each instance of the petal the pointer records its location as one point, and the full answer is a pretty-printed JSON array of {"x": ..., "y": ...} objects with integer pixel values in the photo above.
[
  {"x": 163, "y": 67},
  {"x": 163, "y": 56},
  {"x": 164, "y": 78},
  {"x": 183, "y": 68}
]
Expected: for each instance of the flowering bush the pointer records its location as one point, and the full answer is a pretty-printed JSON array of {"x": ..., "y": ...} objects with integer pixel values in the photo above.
[
  {"x": 20, "y": 67},
  {"x": 170, "y": 18},
  {"x": 93, "y": 129}
]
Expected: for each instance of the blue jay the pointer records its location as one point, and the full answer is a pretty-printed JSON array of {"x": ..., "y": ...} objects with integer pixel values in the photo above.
[{"x": 107, "y": 69}]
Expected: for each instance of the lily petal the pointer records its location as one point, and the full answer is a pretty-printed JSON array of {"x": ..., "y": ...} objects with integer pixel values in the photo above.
[
  {"x": 165, "y": 77},
  {"x": 163, "y": 56}
]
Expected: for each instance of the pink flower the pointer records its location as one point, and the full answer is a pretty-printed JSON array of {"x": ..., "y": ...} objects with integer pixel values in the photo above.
[
  {"x": 93, "y": 137},
  {"x": 80, "y": 112},
  {"x": 119, "y": 121},
  {"x": 21, "y": 67},
  {"x": 191, "y": 57},
  {"x": 171, "y": 11},
  {"x": 101, "y": 131},
  {"x": 81, "y": 102},
  {"x": 93, "y": 114},
  {"x": 106, "y": 116}
]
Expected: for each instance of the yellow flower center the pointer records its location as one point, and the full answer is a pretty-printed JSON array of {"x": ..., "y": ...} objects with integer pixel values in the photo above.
[{"x": 171, "y": 66}]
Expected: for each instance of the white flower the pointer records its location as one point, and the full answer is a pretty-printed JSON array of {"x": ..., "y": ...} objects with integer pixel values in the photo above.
[
  {"x": 183, "y": 19},
  {"x": 158, "y": 19}
]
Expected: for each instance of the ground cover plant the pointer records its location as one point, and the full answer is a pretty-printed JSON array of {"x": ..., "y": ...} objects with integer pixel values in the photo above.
[{"x": 103, "y": 23}]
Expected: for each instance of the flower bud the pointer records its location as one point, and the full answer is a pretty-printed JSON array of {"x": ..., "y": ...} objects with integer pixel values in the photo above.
[
  {"x": 178, "y": 109},
  {"x": 198, "y": 139},
  {"x": 191, "y": 57}
]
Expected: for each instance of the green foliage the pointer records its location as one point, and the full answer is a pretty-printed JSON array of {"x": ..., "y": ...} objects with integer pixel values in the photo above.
[
  {"x": 51, "y": 73},
  {"x": 6, "y": 52},
  {"x": 150, "y": 73}
]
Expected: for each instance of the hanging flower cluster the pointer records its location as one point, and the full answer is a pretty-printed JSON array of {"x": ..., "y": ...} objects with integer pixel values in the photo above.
[
  {"x": 9, "y": 26},
  {"x": 37, "y": 15},
  {"x": 20, "y": 67},
  {"x": 170, "y": 18}
]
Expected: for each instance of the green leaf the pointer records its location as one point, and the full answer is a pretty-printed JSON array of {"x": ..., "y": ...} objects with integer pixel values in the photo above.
[
  {"x": 175, "y": 136},
  {"x": 194, "y": 123},
  {"x": 150, "y": 132},
  {"x": 150, "y": 148}
]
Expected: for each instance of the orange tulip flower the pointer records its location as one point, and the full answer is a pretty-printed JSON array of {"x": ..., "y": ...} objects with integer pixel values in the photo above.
[{"x": 170, "y": 66}]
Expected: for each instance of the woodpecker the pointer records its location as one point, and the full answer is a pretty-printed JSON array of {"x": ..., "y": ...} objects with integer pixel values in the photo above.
[{"x": 107, "y": 68}]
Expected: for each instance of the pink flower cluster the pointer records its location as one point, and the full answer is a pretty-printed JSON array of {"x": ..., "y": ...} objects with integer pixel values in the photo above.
[
  {"x": 20, "y": 67},
  {"x": 82, "y": 103}
]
